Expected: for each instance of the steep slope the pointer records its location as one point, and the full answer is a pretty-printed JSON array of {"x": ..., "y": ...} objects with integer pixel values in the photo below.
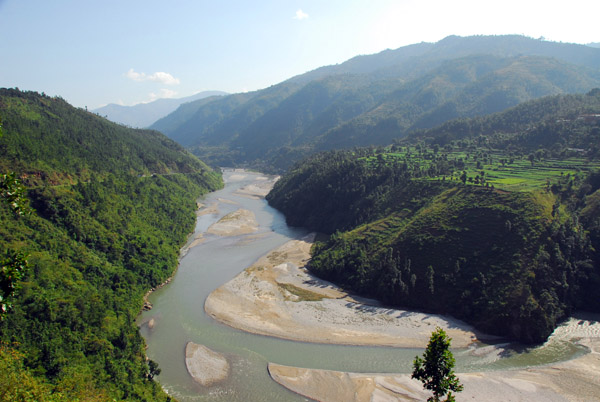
[
  {"x": 145, "y": 114},
  {"x": 47, "y": 136},
  {"x": 474, "y": 86},
  {"x": 475, "y": 228},
  {"x": 552, "y": 123},
  {"x": 370, "y": 100},
  {"x": 111, "y": 207}
]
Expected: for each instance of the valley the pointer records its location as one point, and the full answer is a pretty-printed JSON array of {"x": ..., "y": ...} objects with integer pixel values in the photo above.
[{"x": 453, "y": 184}]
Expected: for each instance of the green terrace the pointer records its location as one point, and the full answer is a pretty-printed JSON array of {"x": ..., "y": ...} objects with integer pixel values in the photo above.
[{"x": 498, "y": 169}]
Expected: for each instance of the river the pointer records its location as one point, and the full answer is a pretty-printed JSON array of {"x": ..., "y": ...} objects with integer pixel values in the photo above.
[{"x": 178, "y": 318}]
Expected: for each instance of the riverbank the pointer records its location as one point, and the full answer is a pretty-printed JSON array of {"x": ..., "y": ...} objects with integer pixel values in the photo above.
[
  {"x": 278, "y": 297},
  {"x": 574, "y": 380}
]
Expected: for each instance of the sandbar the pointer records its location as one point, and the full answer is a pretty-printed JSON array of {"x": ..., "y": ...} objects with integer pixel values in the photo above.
[
  {"x": 206, "y": 366},
  {"x": 574, "y": 380},
  {"x": 277, "y": 296},
  {"x": 239, "y": 222},
  {"x": 259, "y": 188}
]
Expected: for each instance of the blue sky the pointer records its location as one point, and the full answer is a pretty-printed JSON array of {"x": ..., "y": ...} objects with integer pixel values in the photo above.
[{"x": 94, "y": 52}]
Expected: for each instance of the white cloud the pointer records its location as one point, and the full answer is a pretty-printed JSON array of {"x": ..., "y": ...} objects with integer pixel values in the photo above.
[
  {"x": 164, "y": 93},
  {"x": 162, "y": 77},
  {"x": 300, "y": 15},
  {"x": 167, "y": 93}
]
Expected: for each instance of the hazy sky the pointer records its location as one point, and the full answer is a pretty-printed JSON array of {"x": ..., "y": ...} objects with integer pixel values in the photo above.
[{"x": 94, "y": 52}]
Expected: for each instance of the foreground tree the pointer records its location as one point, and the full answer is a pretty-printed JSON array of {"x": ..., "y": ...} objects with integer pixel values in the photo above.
[{"x": 434, "y": 370}]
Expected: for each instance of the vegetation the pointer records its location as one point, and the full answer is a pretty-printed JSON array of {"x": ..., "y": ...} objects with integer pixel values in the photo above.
[
  {"x": 372, "y": 100},
  {"x": 503, "y": 238},
  {"x": 111, "y": 207},
  {"x": 300, "y": 294},
  {"x": 434, "y": 370},
  {"x": 13, "y": 264}
]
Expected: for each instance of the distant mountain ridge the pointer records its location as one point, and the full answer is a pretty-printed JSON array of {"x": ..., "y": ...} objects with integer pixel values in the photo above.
[
  {"x": 144, "y": 114},
  {"x": 374, "y": 99}
]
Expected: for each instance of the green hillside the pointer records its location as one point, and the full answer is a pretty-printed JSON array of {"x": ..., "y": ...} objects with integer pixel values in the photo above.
[
  {"x": 110, "y": 209},
  {"x": 491, "y": 227},
  {"x": 372, "y": 100}
]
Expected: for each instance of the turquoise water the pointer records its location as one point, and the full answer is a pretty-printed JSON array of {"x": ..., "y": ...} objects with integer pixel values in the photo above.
[{"x": 179, "y": 318}]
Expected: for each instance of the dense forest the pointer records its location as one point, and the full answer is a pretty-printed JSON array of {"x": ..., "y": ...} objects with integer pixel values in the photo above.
[
  {"x": 374, "y": 99},
  {"x": 497, "y": 224},
  {"x": 108, "y": 210}
]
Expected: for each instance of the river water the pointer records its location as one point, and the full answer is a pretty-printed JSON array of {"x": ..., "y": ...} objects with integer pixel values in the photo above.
[{"x": 178, "y": 318}]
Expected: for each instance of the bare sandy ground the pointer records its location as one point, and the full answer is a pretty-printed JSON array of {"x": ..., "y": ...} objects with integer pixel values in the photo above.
[
  {"x": 206, "y": 366},
  {"x": 278, "y": 297},
  {"x": 575, "y": 380},
  {"x": 236, "y": 223},
  {"x": 259, "y": 189}
]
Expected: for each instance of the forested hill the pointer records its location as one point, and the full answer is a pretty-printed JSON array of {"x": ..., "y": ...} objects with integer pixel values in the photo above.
[
  {"x": 371, "y": 100},
  {"x": 549, "y": 124},
  {"x": 504, "y": 234},
  {"x": 46, "y": 135},
  {"x": 110, "y": 208}
]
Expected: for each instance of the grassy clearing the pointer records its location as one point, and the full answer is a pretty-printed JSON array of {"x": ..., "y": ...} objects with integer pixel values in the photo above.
[{"x": 302, "y": 294}]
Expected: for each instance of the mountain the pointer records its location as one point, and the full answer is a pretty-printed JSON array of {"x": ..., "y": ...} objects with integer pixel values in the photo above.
[
  {"x": 109, "y": 208},
  {"x": 594, "y": 44},
  {"x": 552, "y": 123},
  {"x": 144, "y": 114},
  {"x": 374, "y": 99},
  {"x": 494, "y": 219}
]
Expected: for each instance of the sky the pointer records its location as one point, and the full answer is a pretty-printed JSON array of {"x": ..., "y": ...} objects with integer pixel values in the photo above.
[{"x": 93, "y": 52}]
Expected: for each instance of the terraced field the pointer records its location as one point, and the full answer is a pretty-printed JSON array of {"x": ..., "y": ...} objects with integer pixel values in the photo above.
[{"x": 503, "y": 171}]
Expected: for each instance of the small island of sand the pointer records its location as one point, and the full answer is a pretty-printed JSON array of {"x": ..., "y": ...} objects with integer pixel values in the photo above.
[
  {"x": 206, "y": 366},
  {"x": 235, "y": 223}
]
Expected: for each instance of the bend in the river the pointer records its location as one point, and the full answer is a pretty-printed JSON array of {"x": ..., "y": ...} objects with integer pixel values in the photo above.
[{"x": 178, "y": 315}]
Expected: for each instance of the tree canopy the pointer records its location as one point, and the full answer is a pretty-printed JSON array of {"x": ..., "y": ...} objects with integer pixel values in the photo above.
[{"x": 435, "y": 369}]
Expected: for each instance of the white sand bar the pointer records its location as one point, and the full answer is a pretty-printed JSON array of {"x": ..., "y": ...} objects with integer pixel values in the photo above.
[
  {"x": 206, "y": 366},
  {"x": 278, "y": 297},
  {"x": 235, "y": 223}
]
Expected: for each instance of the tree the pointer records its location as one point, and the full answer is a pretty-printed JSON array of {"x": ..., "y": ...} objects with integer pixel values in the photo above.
[
  {"x": 153, "y": 369},
  {"x": 435, "y": 369},
  {"x": 13, "y": 264},
  {"x": 13, "y": 193}
]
